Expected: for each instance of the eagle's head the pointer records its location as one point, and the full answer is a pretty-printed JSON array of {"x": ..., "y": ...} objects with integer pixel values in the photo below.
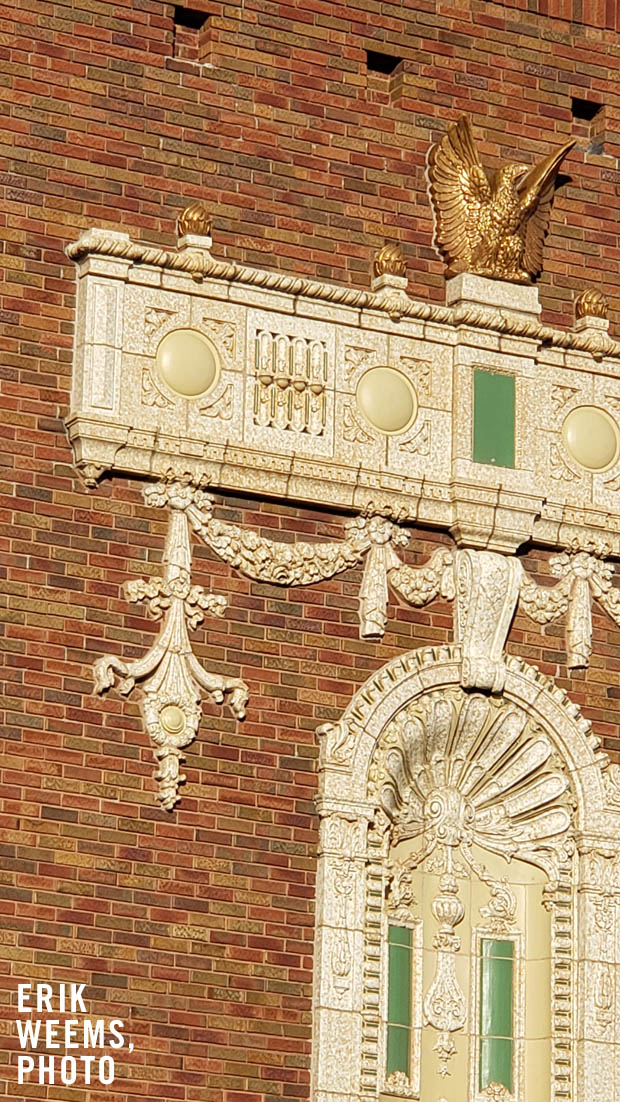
[{"x": 511, "y": 175}]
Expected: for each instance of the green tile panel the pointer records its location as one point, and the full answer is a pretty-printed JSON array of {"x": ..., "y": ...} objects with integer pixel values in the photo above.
[{"x": 494, "y": 418}]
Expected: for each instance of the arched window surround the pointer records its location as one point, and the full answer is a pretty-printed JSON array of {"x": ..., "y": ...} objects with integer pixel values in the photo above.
[{"x": 583, "y": 898}]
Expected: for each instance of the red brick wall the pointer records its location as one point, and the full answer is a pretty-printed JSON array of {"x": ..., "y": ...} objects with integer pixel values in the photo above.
[{"x": 308, "y": 163}]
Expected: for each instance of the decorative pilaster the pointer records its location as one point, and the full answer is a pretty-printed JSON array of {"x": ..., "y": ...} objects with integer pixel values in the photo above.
[{"x": 338, "y": 979}]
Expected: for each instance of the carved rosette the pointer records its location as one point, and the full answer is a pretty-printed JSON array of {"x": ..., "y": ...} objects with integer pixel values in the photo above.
[{"x": 170, "y": 676}]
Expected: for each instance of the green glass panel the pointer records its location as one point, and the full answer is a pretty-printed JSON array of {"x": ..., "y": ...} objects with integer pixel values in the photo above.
[
  {"x": 496, "y": 1012},
  {"x": 399, "y": 1000},
  {"x": 399, "y": 990},
  {"x": 399, "y": 935},
  {"x": 496, "y": 1008},
  {"x": 491, "y": 947},
  {"x": 494, "y": 418},
  {"x": 496, "y": 1062},
  {"x": 398, "y": 1049}
]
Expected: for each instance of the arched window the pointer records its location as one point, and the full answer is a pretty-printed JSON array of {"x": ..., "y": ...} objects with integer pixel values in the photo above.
[{"x": 457, "y": 954}]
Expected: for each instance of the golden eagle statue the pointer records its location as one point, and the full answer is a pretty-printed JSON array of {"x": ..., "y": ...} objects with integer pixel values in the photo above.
[{"x": 492, "y": 227}]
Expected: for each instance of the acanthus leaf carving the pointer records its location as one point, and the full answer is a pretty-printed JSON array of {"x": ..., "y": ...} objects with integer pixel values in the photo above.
[
  {"x": 222, "y": 333},
  {"x": 558, "y": 469},
  {"x": 420, "y": 442},
  {"x": 421, "y": 371},
  {"x": 560, "y": 395},
  {"x": 220, "y": 406},
  {"x": 155, "y": 317},
  {"x": 337, "y": 743},
  {"x": 445, "y": 1006},
  {"x": 352, "y": 429},
  {"x": 356, "y": 357},
  {"x": 151, "y": 394},
  {"x": 398, "y": 1083},
  {"x": 169, "y": 674},
  {"x": 487, "y": 591},
  {"x": 341, "y": 956},
  {"x": 400, "y": 897}
]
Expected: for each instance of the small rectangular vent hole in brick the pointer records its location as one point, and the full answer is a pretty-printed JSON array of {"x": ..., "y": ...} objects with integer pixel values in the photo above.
[
  {"x": 381, "y": 63},
  {"x": 192, "y": 35},
  {"x": 584, "y": 109}
]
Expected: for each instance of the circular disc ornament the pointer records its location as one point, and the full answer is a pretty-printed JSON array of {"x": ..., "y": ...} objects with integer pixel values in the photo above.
[
  {"x": 172, "y": 719},
  {"x": 187, "y": 362},
  {"x": 387, "y": 399},
  {"x": 591, "y": 437}
]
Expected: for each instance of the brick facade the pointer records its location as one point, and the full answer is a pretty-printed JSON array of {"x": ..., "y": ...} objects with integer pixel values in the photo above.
[{"x": 196, "y": 927}]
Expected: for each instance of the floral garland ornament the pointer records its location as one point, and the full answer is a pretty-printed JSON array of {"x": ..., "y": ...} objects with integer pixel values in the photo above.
[
  {"x": 171, "y": 677},
  {"x": 583, "y": 576}
]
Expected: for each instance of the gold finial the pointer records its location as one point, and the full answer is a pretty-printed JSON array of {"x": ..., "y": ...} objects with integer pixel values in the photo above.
[
  {"x": 496, "y": 226},
  {"x": 591, "y": 304},
  {"x": 389, "y": 261},
  {"x": 195, "y": 220}
]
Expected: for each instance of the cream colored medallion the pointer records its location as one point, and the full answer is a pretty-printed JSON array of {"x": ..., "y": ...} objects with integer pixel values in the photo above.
[
  {"x": 187, "y": 362},
  {"x": 387, "y": 399},
  {"x": 172, "y": 719},
  {"x": 591, "y": 436}
]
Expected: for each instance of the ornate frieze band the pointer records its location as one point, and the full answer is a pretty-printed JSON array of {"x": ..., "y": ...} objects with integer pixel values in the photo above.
[{"x": 292, "y": 404}]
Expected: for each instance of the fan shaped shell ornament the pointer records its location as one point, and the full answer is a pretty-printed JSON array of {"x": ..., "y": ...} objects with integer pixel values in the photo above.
[{"x": 461, "y": 768}]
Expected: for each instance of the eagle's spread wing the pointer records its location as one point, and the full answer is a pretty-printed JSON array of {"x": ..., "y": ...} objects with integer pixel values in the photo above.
[
  {"x": 459, "y": 191},
  {"x": 536, "y": 192}
]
